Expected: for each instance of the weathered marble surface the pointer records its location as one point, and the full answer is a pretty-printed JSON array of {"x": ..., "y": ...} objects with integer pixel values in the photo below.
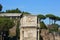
[
  {"x": 28, "y": 28},
  {"x": 28, "y": 33}
]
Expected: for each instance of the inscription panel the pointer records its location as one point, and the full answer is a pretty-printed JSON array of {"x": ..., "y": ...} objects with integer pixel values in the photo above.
[{"x": 29, "y": 21}]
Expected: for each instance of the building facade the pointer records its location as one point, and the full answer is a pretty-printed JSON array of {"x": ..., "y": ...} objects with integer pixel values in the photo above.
[{"x": 28, "y": 25}]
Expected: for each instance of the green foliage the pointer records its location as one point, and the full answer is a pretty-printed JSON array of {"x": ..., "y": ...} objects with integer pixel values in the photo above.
[
  {"x": 42, "y": 25},
  {"x": 6, "y": 23},
  {"x": 18, "y": 30},
  {"x": 13, "y": 11},
  {"x": 51, "y": 16},
  {"x": 57, "y": 18},
  {"x": 25, "y": 12},
  {"x": 40, "y": 16},
  {"x": 0, "y": 7}
]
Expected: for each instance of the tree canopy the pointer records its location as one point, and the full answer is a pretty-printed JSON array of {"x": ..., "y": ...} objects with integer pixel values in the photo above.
[
  {"x": 13, "y": 11},
  {"x": 0, "y": 7},
  {"x": 42, "y": 25},
  {"x": 40, "y": 16},
  {"x": 53, "y": 17},
  {"x": 6, "y": 23},
  {"x": 16, "y": 11},
  {"x": 25, "y": 12}
]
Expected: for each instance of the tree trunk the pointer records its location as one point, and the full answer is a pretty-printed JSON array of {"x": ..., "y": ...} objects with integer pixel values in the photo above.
[
  {"x": 18, "y": 30},
  {"x": 54, "y": 21},
  {"x": 49, "y": 21},
  {"x": 1, "y": 36}
]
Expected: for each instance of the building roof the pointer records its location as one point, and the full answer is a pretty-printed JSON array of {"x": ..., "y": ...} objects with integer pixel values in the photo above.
[{"x": 10, "y": 14}]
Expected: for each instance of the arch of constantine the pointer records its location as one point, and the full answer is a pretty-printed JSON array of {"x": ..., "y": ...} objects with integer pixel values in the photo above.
[{"x": 28, "y": 25}]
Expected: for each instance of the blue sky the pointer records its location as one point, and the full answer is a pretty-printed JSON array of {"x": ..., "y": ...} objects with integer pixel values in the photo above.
[{"x": 33, "y": 6}]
